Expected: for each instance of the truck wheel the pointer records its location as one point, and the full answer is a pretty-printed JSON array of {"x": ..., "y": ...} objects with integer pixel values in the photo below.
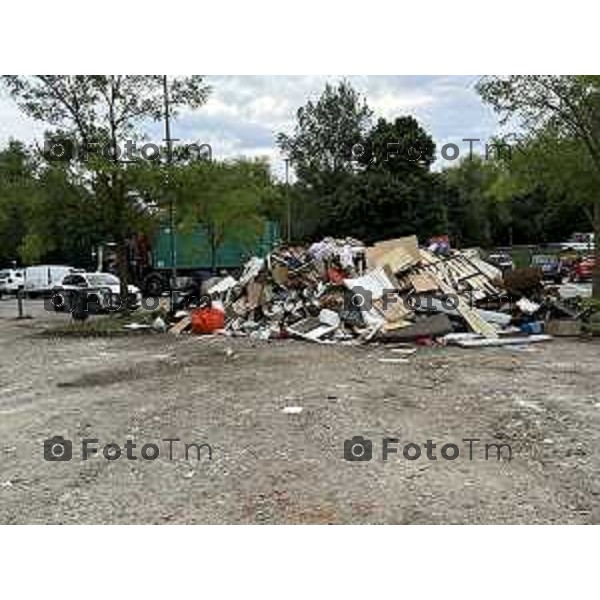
[{"x": 154, "y": 285}]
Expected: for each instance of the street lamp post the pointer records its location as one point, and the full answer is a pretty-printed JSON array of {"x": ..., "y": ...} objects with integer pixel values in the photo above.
[
  {"x": 289, "y": 199},
  {"x": 169, "y": 191}
]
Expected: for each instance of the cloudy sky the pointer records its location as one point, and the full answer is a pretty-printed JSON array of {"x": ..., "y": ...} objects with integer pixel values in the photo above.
[{"x": 244, "y": 113}]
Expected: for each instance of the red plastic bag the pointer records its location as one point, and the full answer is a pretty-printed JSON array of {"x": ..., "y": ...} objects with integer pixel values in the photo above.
[
  {"x": 207, "y": 320},
  {"x": 335, "y": 275}
]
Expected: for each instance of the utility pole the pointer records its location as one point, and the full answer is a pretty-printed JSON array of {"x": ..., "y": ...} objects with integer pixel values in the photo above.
[
  {"x": 289, "y": 199},
  {"x": 169, "y": 191}
]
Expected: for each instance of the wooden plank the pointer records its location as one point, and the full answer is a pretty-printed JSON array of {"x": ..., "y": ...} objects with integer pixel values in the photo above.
[
  {"x": 434, "y": 326},
  {"x": 474, "y": 320},
  {"x": 400, "y": 254},
  {"x": 423, "y": 282},
  {"x": 181, "y": 326},
  {"x": 505, "y": 341}
]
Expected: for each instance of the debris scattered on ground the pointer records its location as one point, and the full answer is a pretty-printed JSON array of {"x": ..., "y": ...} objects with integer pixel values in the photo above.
[
  {"x": 404, "y": 351},
  {"x": 136, "y": 326},
  {"x": 564, "y": 327},
  {"x": 341, "y": 291},
  {"x": 480, "y": 342},
  {"x": 179, "y": 327},
  {"x": 395, "y": 361},
  {"x": 208, "y": 319},
  {"x": 527, "y": 307},
  {"x": 159, "y": 324}
]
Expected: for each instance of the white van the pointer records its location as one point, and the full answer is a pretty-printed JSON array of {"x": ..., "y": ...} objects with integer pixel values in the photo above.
[
  {"x": 42, "y": 278},
  {"x": 11, "y": 280}
]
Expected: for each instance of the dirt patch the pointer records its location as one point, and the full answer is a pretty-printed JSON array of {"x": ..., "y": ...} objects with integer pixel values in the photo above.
[{"x": 272, "y": 467}]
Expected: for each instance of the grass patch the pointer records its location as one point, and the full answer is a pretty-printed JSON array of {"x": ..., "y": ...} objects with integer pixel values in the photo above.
[{"x": 102, "y": 326}]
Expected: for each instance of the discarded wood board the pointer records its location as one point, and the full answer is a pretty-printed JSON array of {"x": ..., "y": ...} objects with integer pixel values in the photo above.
[
  {"x": 254, "y": 294},
  {"x": 399, "y": 254},
  {"x": 404, "y": 351},
  {"x": 395, "y": 361},
  {"x": 563, "y": 327},
  {"x": 460, "y": 273},
  {"x": 393, "y": 309},
  {"x": 222, "y": 285},
  {"x": 436, "y": 304},
  {"x": 489, "y": 270},
  {"x": 423, "y": 282},
  {"x": 434, "y": 326},
  {"x": 279, "y": 273},
  {"x": 503, "y": 341},
  {"x": 473, "y": 319},
  {"x": 181, "y": 326},
  {"x": 396, "y": 325}
]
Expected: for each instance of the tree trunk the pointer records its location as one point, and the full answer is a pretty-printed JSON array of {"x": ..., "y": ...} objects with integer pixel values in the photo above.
[{"x": 596, "y": 274}]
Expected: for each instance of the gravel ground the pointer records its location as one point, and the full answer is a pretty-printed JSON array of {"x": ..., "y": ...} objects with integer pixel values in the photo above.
[{"x": 269, "y": 466}]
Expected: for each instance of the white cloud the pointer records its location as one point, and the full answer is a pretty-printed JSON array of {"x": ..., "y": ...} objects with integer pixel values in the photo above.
[
  {"x": 390, "y": 105},
  {"x": 14, "y": 124},
  {"x": 244, "y": 113}
]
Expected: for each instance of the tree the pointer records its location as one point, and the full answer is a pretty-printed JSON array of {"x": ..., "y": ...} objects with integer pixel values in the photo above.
[
  {"x": 63, "y": 223},
  {"x": 231, "y": 199},
  {"x": 381, "y": 205},
  {"x": 392, "y": 191},
  {"x": 560, "y": 115},
  {"x": 104, "y": 111},
  {"x": 17, "y": 191},
  {"x": 325, "y": 134},
  {"x": 354, "y": 179},
  {"x": 401, "y": 147},
  {"x": 473, "y": 206},
  {"x": 400, "y": 196},
  {"x": 321, "y": 151}
]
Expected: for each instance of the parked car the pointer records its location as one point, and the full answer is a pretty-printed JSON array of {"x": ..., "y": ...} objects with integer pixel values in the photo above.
[
  {"x": 551, "y": 266},
  {"x": 11, "y": 280},
  {"x": 583, "y": 269},
  {"x": 501, "y": 260},
  {"x": 102, "y": 289},
  {"x": 41, "y": 279},
  {"x": 580, "y": 242}
]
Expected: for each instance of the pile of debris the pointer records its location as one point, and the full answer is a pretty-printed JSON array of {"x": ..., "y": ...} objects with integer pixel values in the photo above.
[{"x": 340, "y": 291}]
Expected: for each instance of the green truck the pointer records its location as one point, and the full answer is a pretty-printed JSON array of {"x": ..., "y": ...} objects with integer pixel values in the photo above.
[{"x": 195, "y": 257}]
